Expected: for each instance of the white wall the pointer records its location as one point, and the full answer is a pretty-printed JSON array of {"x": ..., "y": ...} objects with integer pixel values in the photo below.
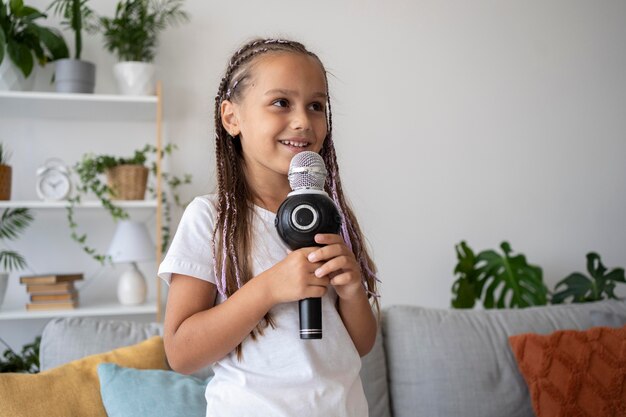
[{"x": 483, "y": 120}]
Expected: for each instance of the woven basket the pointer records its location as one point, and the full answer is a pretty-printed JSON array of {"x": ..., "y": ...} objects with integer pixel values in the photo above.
[
  {"x": 128, "y": 182},
  {"x": 5, "y": 182}
]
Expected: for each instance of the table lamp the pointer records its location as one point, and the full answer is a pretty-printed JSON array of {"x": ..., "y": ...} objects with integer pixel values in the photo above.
[{"x": 131, "y": 243}]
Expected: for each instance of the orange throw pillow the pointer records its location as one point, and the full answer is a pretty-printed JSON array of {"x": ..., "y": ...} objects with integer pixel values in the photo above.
[{"x": 574, "y": 373}]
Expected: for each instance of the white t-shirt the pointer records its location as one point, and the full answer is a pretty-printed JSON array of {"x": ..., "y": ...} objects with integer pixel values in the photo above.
[{"x": 280, "y": 375}]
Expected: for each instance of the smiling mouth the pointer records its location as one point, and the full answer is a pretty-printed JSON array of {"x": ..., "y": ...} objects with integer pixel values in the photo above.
[{"x": 295, "y": 144}]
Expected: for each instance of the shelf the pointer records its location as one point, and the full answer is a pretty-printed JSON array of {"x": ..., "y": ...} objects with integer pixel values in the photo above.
[
  {"x": 104, "y": 309},
  {"x": 73, "y": 107},
  {"x": 37, "y": 204}
]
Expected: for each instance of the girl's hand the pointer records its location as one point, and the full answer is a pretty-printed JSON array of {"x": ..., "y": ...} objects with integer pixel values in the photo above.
[
  {"x": 339, "y": 264},
  {"x": 294, "y": 279}
]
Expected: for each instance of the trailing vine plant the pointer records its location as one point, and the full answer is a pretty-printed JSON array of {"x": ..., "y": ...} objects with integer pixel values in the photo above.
[{"x": 90, "y": 171}]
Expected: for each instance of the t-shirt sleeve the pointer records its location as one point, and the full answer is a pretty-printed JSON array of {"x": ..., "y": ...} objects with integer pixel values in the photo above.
[{"x": 190, "y": 251}]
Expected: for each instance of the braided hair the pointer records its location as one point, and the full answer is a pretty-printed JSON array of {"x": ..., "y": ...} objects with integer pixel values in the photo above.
[{"x": 234, "y": 214}]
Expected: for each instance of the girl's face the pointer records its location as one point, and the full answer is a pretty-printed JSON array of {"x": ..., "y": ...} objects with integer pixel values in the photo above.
[{"x": 282, "y": 112}]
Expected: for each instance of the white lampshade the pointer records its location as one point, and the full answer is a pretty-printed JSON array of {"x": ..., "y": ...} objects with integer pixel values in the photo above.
[{"x": 131, "y": 243}]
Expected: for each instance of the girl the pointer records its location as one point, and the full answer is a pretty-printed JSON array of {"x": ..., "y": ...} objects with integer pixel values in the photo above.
[{"x": 234, "y": 285}]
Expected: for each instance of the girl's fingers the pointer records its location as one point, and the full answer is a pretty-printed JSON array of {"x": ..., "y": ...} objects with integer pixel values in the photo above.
[
  {"x": 341, "y": 279},
  {"x": 328, "y": 238},
  {"x": 339, "y": 263}
]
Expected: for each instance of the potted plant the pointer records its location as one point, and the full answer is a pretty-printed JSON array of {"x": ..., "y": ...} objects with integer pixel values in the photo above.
[
  {"x": 132, "y": 34},
  {"x": 26, "y": 362},
  {"x": 22, "y": 40},
  {"x": 12, "y": 223},
  {"x": 75, "y": 75},
  {"x": 509, "y": 281},
  {"x": 91, "y": 170},
  {"x": 5, "y": 173}
]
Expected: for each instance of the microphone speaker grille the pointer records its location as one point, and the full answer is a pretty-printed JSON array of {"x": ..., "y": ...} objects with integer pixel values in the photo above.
[{"x": 307, "y": 170}]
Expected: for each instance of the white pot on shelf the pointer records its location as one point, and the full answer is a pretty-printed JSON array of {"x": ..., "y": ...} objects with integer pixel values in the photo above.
[
  {"x": 4, "y": 283},
  {"x": 11, "y": 77},
  {"x": 135, "y": 78}
]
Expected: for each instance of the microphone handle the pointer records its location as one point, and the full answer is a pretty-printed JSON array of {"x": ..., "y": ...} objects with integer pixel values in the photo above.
[{"x": 310, "y": 318}]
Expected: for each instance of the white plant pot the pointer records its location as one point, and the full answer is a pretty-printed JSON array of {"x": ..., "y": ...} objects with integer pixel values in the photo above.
[
  {"x": 135, "y": 78},
  {"x": 12, "y": 79},
  {"x": 4, "y": 283}
]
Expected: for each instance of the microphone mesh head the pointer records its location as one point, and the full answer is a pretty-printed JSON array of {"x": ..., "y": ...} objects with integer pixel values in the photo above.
[{"x": 307, "y": 170}]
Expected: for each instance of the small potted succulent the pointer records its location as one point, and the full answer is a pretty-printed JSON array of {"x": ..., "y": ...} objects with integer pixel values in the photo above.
[
  {"x": 12, "y": 223},
  {"x": 74, "y": 75},
  {"x": 126, "y": 180},
  {"x": 132, "y": 35},
  {"x": 22, "y": 42}
]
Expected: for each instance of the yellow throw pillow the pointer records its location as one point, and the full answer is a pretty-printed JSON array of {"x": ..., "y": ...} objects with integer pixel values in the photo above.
[{"x": 73, "y": 389}]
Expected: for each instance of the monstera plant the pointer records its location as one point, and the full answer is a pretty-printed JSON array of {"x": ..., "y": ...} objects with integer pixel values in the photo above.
[
  {"x": 498, "y": 280},
  {"x": 581, "y": 289},
  {"x": 509, "y": 281}
]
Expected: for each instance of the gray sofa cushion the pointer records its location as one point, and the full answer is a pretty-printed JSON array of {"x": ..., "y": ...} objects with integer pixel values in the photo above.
[
  {"x": 374, "y": 378},
  {"x": 66, "y": 339},
  {"x": 458, "y": 363}
]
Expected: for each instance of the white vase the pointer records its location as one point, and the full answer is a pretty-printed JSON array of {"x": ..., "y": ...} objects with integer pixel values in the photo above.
[
  {"x": 4, "y": 283},
  {"x": 11, "y": 77},
  {"x": 135, "y": 78}
]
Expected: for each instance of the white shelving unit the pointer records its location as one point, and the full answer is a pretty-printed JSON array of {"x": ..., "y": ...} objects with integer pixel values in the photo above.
[
  {"x": 96, "y": 309},
  {"x": 85, "y": 108},
  {"x": 33, "y": 204}
]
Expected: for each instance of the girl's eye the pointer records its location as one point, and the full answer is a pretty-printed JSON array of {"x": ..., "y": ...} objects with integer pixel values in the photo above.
[
  {"x": 317, "y": 106},
  {"x": 281, "y": 103}
]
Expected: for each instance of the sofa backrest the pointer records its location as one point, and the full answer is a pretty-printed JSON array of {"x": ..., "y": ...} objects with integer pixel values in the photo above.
[
  {"x": 67, "y": 339},
  {"x": 458, "y": 363}
]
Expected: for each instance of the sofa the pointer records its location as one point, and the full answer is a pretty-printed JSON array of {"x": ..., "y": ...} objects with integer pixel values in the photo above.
[{"x": 425, "y": 362}]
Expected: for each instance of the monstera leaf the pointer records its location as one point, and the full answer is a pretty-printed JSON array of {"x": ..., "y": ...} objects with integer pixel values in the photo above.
[
  {"x": 464, "y": 288},
  {"x": 499, "y": 281},
  {"x": 582, "y": 289}
]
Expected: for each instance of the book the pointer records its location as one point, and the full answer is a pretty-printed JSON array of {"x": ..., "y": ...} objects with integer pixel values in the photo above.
[
  {"x": 68, "y": 296},
  {"x": 49, "y": 278},
  {"x": 63, "y": 305},
  {"x": 61, "y": 287}
]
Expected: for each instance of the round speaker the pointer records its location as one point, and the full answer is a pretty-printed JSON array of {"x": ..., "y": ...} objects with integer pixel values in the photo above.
[{"x": 301, "y": 216}]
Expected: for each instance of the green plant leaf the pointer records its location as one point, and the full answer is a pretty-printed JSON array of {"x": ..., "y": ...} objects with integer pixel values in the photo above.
[
  {"x": 464, "y": 288},
  {"x": 579, "y": 288},
  {"x": 21, "y": 56},
  {"x": 11, "y": 261},
  {"x": 54, "y": 42},
  {"x": 3, "y": 41},
  {"x": 16, "y": 6},
  {"x": 509, "y": 280},
  {"x": 14, "y": 221}
]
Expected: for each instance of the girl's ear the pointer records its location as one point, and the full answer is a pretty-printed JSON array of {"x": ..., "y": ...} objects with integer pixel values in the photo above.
[{"x": 230, "y": 118}]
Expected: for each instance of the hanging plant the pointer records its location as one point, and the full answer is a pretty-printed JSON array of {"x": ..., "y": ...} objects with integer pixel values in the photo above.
[{"x": 91, "y": 170}]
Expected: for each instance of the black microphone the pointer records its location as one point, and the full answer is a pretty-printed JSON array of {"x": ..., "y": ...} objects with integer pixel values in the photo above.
[{"x": 306, "y": 211}]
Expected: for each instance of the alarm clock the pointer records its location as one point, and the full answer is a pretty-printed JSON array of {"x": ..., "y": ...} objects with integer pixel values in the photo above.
[{"x": 53, "y": 180}]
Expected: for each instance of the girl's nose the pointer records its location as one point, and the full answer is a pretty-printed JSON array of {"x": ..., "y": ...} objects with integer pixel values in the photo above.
[{"x": 300, "y": 120}]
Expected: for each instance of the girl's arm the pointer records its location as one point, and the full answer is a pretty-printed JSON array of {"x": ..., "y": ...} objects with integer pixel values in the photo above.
[
  {"x": 198, "y": 333},
  {"x": 354, "y": 308}
]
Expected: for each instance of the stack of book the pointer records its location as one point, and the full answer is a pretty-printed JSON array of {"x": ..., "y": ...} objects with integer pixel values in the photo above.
[{"x": 51, "y": 291}]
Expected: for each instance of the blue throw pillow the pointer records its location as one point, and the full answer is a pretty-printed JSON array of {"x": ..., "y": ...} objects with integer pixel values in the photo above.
[{"x": 149, "y": 392}]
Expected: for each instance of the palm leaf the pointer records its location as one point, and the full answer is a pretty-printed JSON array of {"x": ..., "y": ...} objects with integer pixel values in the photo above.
[
  {"x": 11, "y": 260},
  {"x": 14, "y": 221}
]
